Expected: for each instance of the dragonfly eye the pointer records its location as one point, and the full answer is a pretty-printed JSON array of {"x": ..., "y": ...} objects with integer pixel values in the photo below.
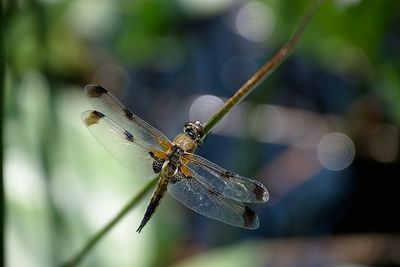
[
  {"x": 194, "y": 130},
  {"x": 190, "y": 133},
  {"x": 186, "y": 129}
]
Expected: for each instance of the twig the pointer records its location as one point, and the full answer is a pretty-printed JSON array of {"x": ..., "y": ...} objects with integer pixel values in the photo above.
[
  {"x": 264, "y": 71},
  {"x": 93, "y": 241}
]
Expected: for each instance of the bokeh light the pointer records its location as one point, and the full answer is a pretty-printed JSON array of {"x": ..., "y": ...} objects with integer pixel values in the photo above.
[
  {"x": 273, "y": 124},
  {"x": 203, "y": 107},
  {"x": 255, "y": 21},
  {"x": 335, "y": 151}
]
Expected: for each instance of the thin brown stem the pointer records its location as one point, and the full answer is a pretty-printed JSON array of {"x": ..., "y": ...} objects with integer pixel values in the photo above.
[{"x": 265, "y": 70}]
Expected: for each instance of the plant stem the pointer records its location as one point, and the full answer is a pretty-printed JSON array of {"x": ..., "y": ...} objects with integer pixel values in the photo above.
[
  {"x": 96, "y": 238},
  {"x": 264, "y": 71}
]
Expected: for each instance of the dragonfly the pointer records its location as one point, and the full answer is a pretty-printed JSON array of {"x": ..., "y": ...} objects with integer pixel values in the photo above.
[{"x": 199, "y": 184}]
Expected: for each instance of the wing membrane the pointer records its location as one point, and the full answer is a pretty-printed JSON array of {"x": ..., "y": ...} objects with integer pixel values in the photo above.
[
  {"x": 105, "y": 102},
  {"x": 210, "y": 203},
  {"x": 230, "y": 185},
  {"x": 129, "y": 150}
]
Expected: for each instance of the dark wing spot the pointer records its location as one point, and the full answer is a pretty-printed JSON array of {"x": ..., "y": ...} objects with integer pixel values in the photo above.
[
  {"x": 95, "y": 90},
  {"x": 93, "y": 118},
  {"x": 128, "y": 136},
  {"x": 128, "y": 114},
  {"x": 260, "y": 191},
  {"x": 228, "y": 174},
  {"x": 249, "y": 217}
]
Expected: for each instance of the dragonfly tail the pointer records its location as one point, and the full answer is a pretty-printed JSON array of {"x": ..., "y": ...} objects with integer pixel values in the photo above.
[{"x": 158, "y": 194}]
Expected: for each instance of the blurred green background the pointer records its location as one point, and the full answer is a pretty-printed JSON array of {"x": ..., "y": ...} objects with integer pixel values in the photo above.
[{"x": 322, "y": 133}]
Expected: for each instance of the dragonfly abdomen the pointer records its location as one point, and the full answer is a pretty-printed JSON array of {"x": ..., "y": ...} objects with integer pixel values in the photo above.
[{"x": 156, "y": 198}]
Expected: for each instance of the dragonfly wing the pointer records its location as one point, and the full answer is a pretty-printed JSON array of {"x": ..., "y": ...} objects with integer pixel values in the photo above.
[
  {"x": 210, "y": 203},
  {"x": 230, "y": 185},
  {"x": 130, "y": 150},
  {"x": 104, "y": 101}
]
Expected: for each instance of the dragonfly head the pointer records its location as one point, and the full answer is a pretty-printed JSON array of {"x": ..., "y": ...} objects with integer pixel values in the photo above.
[{"x": 194, "y": 130}]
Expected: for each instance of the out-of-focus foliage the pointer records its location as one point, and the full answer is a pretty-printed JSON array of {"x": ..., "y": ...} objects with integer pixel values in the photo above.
[{"x": 322, "y": 133}]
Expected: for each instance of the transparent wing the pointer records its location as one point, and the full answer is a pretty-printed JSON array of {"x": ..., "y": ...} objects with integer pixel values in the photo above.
[
  {"x": 129, "y": 150},
  {"x": 104, "y": 101},
  {"x": 210, "y": 203},
  {"x": 229, "y": 184}
]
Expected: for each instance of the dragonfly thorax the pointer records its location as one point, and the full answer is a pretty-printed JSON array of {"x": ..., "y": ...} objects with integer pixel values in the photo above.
[
  {"x": 184, "y": 142},
  {"x": 171, "y": 165},
  {"x": 175, "y": 153}
]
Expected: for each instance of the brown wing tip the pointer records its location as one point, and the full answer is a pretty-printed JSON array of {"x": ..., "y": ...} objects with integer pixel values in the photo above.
[
  {"x": 250, "y": 219},
  {"x": 93, "y": 90},
  {"x": 261, "y": 192},
  {"x": 92, "y": 117}
]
